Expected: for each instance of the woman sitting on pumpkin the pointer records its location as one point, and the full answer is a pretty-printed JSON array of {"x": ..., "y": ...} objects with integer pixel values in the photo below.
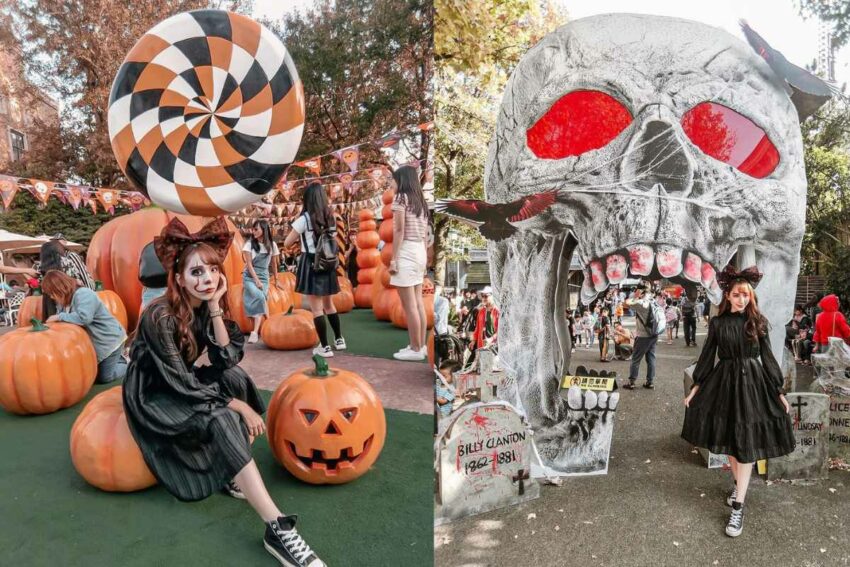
[{"x": 195, "y": 425}]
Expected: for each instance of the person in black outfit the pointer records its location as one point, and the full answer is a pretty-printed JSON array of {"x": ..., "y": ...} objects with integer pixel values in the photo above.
[
  {"x": 737, "y": 407},
  {"x": 194, "y": 425},
  {"x": 603, "y": 333},
  {"x": 689, "y": 319}
]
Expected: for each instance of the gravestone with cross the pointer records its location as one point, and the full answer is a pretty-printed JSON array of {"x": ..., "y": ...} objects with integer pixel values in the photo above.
[
  {"x": 483, "y": 460},
  {"x": 832, "y": 377},
  {"x": 713, "y": 460},
  {"x": 488, "y": 383},
  {"x": 810, "y": 459}
]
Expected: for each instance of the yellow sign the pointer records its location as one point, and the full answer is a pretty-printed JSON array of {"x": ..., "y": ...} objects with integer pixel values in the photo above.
[{"x": 589, "y": 383}]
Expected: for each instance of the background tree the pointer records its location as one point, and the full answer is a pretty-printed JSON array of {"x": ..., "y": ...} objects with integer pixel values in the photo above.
[
  {"x": 476, "y": 47},
  {"x": 836, "y": 12}
]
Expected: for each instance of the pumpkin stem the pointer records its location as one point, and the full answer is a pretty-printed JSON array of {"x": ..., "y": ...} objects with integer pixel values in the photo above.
[
  {"x": 36, "y": 291},
  {"x": 37, "y": 325},
  {"x": 291, "y": 309},
  {"x": 321, "y": 366},
  {"x": 98, "y": 285}
]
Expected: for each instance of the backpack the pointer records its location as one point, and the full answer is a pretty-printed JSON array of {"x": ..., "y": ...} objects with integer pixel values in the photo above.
[
  {"x": 326, "y": 258},
  {"x": 688, "y": 309},
  {"x": 655, "y": 322}
]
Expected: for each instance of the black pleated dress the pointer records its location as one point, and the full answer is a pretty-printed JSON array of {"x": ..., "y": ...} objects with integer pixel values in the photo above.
[
  {"x": 193, "y": 443},
  {"x": 737, "y": 410}
]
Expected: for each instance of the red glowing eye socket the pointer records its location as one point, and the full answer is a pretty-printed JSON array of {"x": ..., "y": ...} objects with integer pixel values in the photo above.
[
  {"x": 731, "y": 138},
  {"x": 578, "y": 122}
]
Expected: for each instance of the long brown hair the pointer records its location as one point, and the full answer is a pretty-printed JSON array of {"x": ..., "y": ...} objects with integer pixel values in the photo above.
[
  {"x": 60, "y": 285},
  {"x": 756, "y": 325},
  {"x": 315, "y": 205},
  {"x": 409, "y": 190},
  {"x": 178, "y": 299}
]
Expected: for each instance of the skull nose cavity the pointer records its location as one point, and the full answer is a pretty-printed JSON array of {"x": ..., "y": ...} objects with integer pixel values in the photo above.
[{"x": 657, "y": 157}]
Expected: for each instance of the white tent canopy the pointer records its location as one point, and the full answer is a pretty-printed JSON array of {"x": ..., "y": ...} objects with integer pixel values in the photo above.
[
  {"x": 12, "y": 241},
  {"x": 35, "y": 246}
]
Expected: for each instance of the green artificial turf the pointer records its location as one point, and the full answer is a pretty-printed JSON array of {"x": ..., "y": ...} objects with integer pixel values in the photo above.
[
  {"x": 50, "y": 516},
  {"x": 365, "y": 335}
]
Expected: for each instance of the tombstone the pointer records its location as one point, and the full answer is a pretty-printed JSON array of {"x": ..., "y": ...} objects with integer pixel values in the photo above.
[
  {"x": 580, "y": 444},
  {"x": 831, "y": 378},
  {"x": 488, "y": 383},
  {"x": 483, "y": 461},
  {"x": 713, "y": 460},
  {"x": 810, "y": 459}
]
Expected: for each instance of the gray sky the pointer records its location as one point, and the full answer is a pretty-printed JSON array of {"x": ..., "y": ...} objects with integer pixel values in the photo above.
[
  {"x": 275, "y": 9},
  {"x": 775, "y": 20}
]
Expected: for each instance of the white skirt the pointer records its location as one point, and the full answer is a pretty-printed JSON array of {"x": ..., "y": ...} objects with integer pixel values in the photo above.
[{"x": 411, "y": 261}]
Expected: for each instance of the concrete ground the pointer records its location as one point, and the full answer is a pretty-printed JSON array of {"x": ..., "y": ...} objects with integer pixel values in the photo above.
[{"x": 658, "y": 505}]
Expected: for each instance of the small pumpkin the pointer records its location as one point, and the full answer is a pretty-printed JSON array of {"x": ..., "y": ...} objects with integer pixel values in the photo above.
[
  {"x": 387, "y": 253},
  {"x": 293, "y": 330},
  {"x": 44, "y": 368},
  {"x": 386, "y": 214},
  {"x": 288, "y": 280},
  {"x": 30, "y": 308},
  {"x": 385, "y": 231},
  {"x": 104, "y": 451},
  {"x": 343, "y": 301},
  {"x": 388, "y": 196},
  {"x": 280, "y": 300},
  {"x": 365, "y": 275},
  {"x": 366, "y": 215},
  {"x": 326, "y": 425},
  {"x": 368, "y": 225},
  {"x": 368, "y": 239},
  {"x": 113, "y": 303},
  {"x": 368, "y": 258},
  {"x": 363, "y": 296}
]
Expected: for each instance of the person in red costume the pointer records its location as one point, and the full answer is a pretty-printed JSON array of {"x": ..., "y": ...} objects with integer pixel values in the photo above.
[
  {"x": 830, "y": 322},
  {"x": 487, "y": 321}
]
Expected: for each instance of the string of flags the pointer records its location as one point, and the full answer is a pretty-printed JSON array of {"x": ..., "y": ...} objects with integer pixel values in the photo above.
[{"x": 70, "y": 194}]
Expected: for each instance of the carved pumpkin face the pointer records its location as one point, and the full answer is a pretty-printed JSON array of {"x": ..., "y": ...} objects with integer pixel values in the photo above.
[{"x": 326, "y": 429}]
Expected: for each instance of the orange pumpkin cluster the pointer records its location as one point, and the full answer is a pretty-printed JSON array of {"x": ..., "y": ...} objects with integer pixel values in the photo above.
[{"x": 368, "y": 258}]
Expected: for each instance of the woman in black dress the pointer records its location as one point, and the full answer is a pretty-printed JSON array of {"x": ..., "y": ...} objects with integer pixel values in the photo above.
[
  {"x": 194, "y": 425},
  {"x": 736, "y": 407}
]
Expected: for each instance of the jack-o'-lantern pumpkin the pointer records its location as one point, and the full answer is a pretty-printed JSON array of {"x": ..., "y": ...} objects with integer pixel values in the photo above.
[
  {"x": 326, "y": 425},
  {"x": 104, "y": 451},
  {"x": 31, "y": 308},
  {"x": 45, "y": 368}
]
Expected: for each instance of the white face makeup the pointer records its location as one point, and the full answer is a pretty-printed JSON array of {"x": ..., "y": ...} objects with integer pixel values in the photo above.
[
  {"x": 199, "y": 279},
  {"x": 738, "y": 298}
]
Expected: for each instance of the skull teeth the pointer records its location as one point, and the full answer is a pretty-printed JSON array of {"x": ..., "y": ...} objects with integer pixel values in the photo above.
[
  {"x": 639, "y": 260},
  {"x": 589, "y": 400}
]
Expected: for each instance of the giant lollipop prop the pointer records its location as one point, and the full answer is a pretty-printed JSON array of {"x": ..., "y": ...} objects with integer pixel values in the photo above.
[{"x": 206, "y": 112}]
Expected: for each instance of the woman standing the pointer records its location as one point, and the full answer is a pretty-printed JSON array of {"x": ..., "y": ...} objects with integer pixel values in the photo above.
[
  {"x": 318, "y": 286},
  {"x": 408, "y": 264},
  {"x": 81, "y": 306},
  {"x": 194, "y": 425},
  {"x": 737, "y": 406},
  {"x": 258, "y": 252}
]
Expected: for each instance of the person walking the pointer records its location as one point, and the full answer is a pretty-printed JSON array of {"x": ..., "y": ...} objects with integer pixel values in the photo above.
[
  {"x": 409, "y": 258},
  {"x": 645, "y": 339},
  {"x": 604, "y": 331},
  {"x": 689, "y": 320},
  {"x": 318, "y": 287},
  {"x": 258, "y": 253},
  {"x": 737, "y": 407},
  {"x": 830, "y": 322}
]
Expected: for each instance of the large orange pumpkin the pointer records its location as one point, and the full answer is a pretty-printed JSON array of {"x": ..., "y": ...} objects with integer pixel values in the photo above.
[
  {"x": 344, "y": 301},
  {"x": 115, "y": 249},
  {"x": 326, "y": 425},
  {"x": 280, "y": 300},
  {"x": 104, "y": 451},
  {"x": 29, "y": 309},
  {"x": 237, "y": 309},
  {"x": 399, "y": 317},
  {"x": 113, "y": 304},
  {"x": 368, "y": 258},
  {"x": 287, "y": 280},
  {"x": 363, "y": 296},
  {"x": 293, "y": 330},
  {"x": 384, "y": 305},
  {"x": 45, "y": 368}
]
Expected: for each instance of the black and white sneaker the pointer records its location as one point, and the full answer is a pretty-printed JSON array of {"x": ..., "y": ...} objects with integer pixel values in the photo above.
[
  {"x": 339, "y": 344},
  {"x": 282, "y": 541},
  {"x": 231, "y": 489},
  {"x": 732, "y": 496},
  {"x": 736, "y": 520}
]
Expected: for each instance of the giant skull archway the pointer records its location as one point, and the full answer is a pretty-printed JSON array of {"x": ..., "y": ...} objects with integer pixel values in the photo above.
[{"x": 672, "y": 145}]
